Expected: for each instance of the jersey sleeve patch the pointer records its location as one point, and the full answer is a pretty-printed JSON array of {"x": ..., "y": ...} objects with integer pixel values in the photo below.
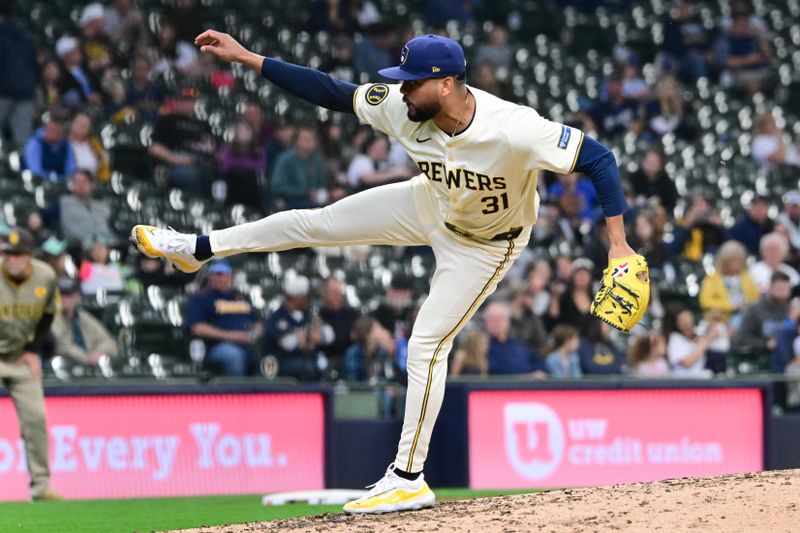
[
  {"x": 563, "y": 140},
  {"x": 377, "y": 94}
]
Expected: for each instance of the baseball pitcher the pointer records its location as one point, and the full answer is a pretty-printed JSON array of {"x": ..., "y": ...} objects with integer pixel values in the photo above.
[{"x": 474, "y": 203}]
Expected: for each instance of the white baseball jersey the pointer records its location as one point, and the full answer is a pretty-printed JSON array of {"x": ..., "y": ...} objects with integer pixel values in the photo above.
[
  {"x": 482, "y": 181},
  {"x": 485, "y": 177}
]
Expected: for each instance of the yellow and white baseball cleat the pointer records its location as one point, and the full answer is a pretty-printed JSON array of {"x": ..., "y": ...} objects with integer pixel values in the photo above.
[
  {"x": 178, "y": 248},
  {"x": 393, "y": 493}
]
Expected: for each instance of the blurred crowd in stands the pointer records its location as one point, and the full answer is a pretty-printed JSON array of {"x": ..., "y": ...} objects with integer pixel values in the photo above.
[{"x": 724, "y": 278}]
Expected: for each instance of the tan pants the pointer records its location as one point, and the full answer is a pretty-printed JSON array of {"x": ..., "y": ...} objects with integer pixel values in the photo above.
[
  {"x": 28, "y": 397},
  {"x": 400, "y": 214}
]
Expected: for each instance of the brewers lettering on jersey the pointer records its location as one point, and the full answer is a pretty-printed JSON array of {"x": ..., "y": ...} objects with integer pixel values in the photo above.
[
  {"x": 473, "y": 202},
  {"x": 485, "y": 176}
]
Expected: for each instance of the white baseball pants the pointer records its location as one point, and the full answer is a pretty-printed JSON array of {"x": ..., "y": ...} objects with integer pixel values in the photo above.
[{"x": 404, "y": 213}]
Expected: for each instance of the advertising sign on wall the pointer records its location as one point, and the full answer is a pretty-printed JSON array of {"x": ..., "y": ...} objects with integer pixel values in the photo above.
[
  {"x": 521, "y": 439},
  {"x": 172, "y": 445}
]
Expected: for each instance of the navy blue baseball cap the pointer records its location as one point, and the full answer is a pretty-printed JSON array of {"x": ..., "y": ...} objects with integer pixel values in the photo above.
[{"x": 428, "y": 56}]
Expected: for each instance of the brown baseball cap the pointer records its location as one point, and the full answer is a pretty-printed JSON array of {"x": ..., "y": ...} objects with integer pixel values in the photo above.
[{"x": 19, "y": 241}]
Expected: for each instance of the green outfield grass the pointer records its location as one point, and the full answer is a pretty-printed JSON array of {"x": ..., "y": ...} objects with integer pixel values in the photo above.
[{"x": 156, "y": 514}]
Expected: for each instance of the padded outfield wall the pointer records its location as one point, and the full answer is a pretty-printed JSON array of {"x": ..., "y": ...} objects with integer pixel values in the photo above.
[{"x": 155, "y": 440}]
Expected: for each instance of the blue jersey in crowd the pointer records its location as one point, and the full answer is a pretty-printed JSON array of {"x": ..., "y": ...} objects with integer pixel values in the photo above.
[
  {"x": 600, "y": 358},
  {"x": 281, "y": 322},
  {"x": 228, "y": 310},
  {"x": 513, "y": 357}
]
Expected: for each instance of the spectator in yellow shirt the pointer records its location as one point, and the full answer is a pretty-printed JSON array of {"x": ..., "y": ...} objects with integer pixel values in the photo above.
[{"x": 729, "y": 288}]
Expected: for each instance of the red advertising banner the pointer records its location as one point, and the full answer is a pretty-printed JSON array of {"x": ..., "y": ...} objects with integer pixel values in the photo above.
[
  {"x": 541, "y": 439},
  {"x": 172, "y": 445}
]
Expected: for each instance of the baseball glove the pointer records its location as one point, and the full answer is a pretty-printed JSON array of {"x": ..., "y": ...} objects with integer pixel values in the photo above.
[{"x": 624, "y": 294}]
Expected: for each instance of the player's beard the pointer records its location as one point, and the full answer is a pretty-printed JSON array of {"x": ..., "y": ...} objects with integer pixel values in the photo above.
[{"x": 422, "y": 112}]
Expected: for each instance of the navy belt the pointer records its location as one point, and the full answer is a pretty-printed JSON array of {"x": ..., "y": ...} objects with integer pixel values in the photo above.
[{"x": 513, "y": 233}]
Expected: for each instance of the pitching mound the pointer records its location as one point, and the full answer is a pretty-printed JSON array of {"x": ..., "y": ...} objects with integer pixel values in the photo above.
[{"x": 767, "y": 501}]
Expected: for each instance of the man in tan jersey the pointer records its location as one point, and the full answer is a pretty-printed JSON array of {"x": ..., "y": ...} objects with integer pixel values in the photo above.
[{"x": 27, "y": 305}]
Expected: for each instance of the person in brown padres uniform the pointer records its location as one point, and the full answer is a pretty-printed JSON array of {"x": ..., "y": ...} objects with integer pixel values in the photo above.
[{"x": 28, "y": 297}]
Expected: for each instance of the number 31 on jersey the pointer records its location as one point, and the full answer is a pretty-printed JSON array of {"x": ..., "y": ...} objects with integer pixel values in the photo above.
[{"x": 494, "y": 203}]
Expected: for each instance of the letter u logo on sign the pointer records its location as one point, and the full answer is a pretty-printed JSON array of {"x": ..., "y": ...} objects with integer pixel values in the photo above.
[{"x": 534, "y": 439}]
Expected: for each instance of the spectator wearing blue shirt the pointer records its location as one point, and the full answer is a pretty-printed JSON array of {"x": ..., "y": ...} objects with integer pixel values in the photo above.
[
  {"x": 507, "y": 355},
  {"x": 78, "y": 86},
  {"x": 332, "y": 17},
  {"x": 581, "y": 190},
  {"x": 744, "y": 54},
  {"x": 787, "y": 345},
  {"x": 563, "y": 360},
  {"x": 293, "y": 337},
  {"x": 597, "y": 353},
  {"x": 335, "y": 312},
  {"x": 374, "y": 51},
  {"x": 225, "y": 319},
  {"x": 439, "y": 12},
  {"x": 17, "y": 91},
  {"x": 48, "y": 155},
  {"x": 280, "y": 143},
  {"x": 785, "y": 358},
  {"x": 143, "y": 95},
  {"x": 688, "y": 40},
  {"x": 616, "y": 114},
  {"x": 751, "y": 227}
]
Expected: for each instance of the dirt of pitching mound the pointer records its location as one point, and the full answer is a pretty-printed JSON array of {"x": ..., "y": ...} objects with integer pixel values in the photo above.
[{"x": 766, "y": 501}]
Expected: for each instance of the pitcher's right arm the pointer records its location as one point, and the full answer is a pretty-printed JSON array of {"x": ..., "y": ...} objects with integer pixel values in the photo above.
[{"x": 307, "y": 83}]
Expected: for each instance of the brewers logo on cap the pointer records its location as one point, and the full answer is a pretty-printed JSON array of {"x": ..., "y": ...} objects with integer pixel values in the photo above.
[
  {"x": 433, "y": 56},
  {"x": 13, "y": 238}
]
